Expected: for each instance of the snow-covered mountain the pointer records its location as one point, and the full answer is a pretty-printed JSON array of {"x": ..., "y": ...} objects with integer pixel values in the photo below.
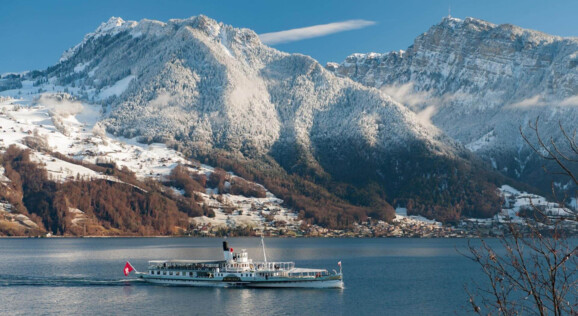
[
  {"x": 218, "y": 86},
  {"x": 479, "y": 82},
  {"x": 328, "y": 145}
]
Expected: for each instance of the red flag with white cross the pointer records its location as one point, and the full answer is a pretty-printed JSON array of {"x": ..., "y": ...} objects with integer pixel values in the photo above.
[{"x": 127, "y": 269}]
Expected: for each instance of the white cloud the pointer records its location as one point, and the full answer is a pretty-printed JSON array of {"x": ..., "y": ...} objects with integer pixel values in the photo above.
[
  {"x": 312, "y": 31},
  {"x": 162, "y": 100},
  {"x": 61, "y": 105},
  {"x": 570, "y": 101},
  {"x": 540, "y": 101},
  {"x": 426, "y": 114},
  {"x": 423, "y": 103},
  {"x": 406, "y": 95},
  {"x": 536, "y": 100}
]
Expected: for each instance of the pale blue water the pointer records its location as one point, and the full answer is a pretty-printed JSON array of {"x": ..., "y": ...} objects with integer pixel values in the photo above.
[{"x": 382, "y": 277}]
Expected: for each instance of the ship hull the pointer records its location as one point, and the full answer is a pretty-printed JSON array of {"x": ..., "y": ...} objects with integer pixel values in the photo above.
[
  {"x": 190, "y": 282},
  {"x": 317, "y": 284},
  {"x": 276, "y": 283}
]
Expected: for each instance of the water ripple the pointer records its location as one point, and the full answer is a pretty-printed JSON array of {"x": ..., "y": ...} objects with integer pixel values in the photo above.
[{"x": 59, "y": 281}]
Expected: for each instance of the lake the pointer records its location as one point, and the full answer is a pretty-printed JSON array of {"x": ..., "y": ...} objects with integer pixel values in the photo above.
[{"x": 381, "y": 276}]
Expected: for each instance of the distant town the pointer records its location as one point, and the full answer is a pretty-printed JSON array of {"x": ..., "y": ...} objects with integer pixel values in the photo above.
[
  {"x": 404, "y": 225},
  {"x": 401, "y": 227}
]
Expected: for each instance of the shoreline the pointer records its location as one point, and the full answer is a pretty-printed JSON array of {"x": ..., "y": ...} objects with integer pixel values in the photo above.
[{"x": 277, "y": 237}]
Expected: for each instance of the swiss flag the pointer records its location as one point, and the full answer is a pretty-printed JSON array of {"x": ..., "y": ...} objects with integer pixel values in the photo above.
[{"x": 127, "y": 269}]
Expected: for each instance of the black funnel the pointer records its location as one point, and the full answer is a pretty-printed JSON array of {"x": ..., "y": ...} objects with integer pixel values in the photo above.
[{"x": 225, "y": 246}]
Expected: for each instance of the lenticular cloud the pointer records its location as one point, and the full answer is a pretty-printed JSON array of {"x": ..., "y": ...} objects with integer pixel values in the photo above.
[{"x": 312, "y": 31}]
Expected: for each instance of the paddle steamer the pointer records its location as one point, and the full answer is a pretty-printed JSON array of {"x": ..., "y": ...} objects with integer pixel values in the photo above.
[{"x": 237, "y": 270}]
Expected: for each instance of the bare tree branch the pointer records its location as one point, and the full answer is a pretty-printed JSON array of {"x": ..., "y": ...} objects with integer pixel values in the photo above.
[{"x": 538, "y": 272}]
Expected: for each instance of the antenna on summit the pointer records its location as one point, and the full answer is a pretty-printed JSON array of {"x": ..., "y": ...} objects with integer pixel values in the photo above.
[{"x": 450, "y": 11}]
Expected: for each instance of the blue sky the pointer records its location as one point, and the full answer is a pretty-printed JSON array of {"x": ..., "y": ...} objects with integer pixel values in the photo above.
[{"x": 34, "y": 33}]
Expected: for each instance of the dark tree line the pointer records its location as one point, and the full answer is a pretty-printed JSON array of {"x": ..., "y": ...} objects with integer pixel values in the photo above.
[
  {"x": 112, "y": 208},
  {"x": 315, "y": 203},
  {"x": 337, "y": 190}
]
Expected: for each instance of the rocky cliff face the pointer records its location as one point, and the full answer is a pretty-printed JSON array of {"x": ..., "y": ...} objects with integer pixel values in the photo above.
[{"x": 479, "y": 82}]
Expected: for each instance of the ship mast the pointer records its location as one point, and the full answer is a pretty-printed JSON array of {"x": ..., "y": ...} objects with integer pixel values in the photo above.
[{"x": 263, "y": 244}]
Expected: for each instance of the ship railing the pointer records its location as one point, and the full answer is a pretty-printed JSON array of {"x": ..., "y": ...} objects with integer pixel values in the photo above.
[
  {"x": 296, "y": 273},
  {"x": 307, "y": 273},
  {"x": 273, "y": 266},
  {"x": 182, "y": 266}
]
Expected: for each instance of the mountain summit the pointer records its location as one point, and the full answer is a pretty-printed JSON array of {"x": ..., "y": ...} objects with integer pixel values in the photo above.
[
  {"x": 480, "y": 82},
  {"x": 218, "y": 86}
]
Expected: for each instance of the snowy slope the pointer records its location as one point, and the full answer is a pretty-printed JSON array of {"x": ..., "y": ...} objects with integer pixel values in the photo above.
[{"x": 86, "y": 141}]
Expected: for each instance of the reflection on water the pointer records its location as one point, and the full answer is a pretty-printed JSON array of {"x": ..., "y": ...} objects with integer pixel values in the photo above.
[
  {"x": 279, "y": 301},
  {"x": 382, "y": 276}
]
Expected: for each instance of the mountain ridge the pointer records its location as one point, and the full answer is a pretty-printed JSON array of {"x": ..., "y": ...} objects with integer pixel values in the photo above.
[
  {"x": 332, "y": 149},
  {"x": 480, "y": 82}
]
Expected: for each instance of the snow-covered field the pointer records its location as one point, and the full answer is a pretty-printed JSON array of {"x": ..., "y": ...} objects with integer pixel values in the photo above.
[
  {"x": 10, "y": 220},
  {"x": 401, "y": 216},
  {"x": 248, "y": 211},
  {"x": 516, "y": 201}
]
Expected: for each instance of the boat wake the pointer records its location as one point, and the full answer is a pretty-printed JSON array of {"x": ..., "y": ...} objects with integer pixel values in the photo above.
[{"x": 58, "y": 281}]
